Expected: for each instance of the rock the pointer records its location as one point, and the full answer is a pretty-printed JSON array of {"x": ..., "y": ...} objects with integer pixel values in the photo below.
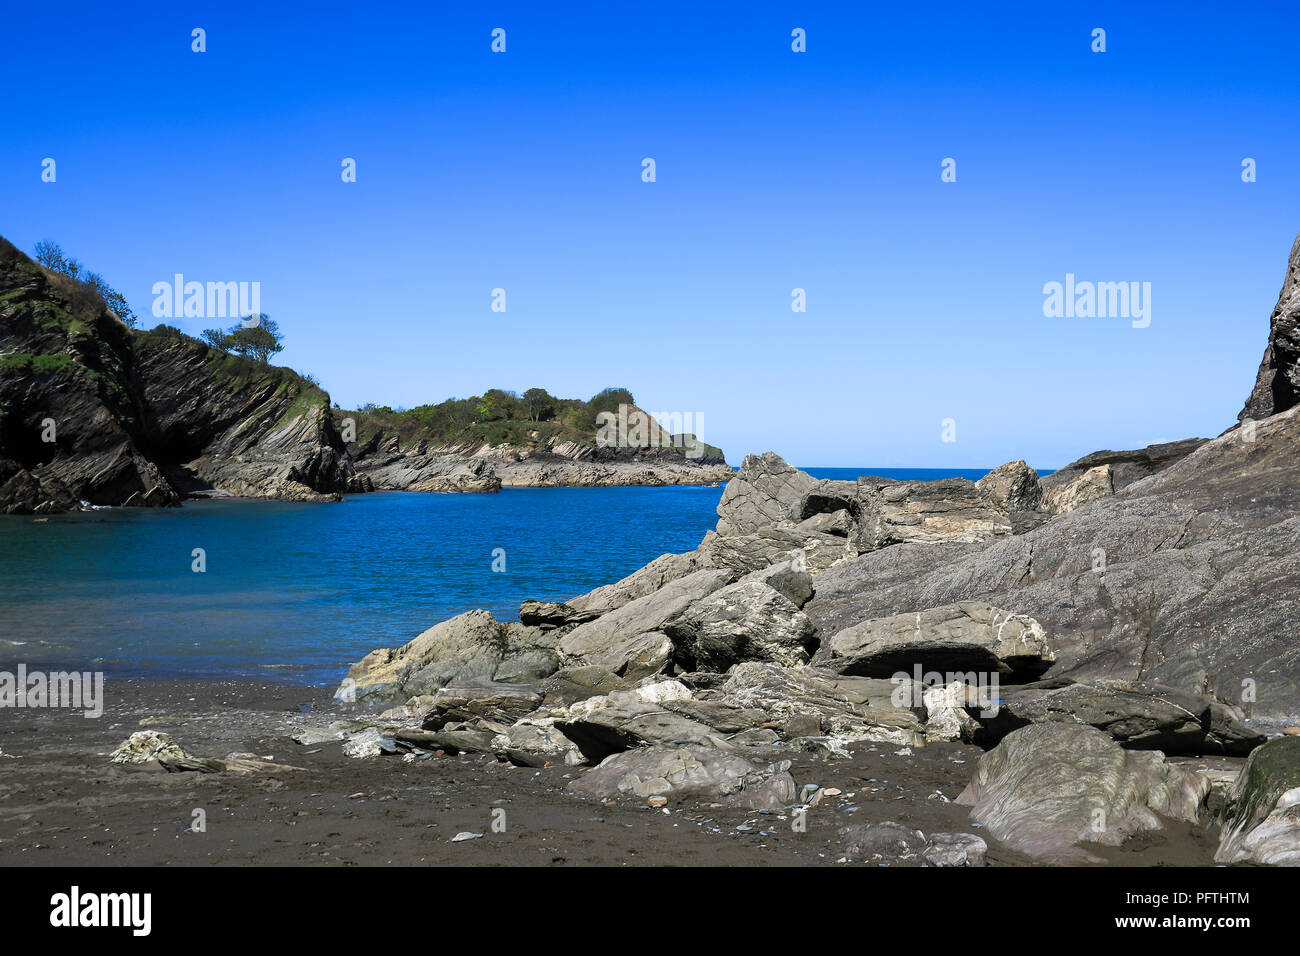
[
  {"x": 891, "y": 842},
  {"x": 765, "y": 492},
  {"x": 1047, "y": 788},
  {"x": 1278, "y": 381},
  {"x": 849, "y": 710},
  {"x": 971, "y": 637},
  {"x": 551, "y": 614},
  {"x": 813, "y": 551},
  {"x": 473, "y": 645},
  {"x": 1088, "y": 487},
  {"x": 661, "y": 571},
  {"x": 795, "y": 585},
  {"x": 1126, "y": 467},
  {"x": 467, "y": 700},
  {"x": 146, "y": 745},
  {"x": 954, "y": 849},
  {"x": 746, "y": 621},
  {"x": 466, "y": 835},
  {"x": 1012, "y": 487},
  {"x": 600, "y": 726},
  {"x": 311, "y": 736},
  {"x": 568, "y": 685},
  {"x": 440, "y": 472},
  {"x": 232, "y": 764},
  {"x": 911, "y": 512},
  {"x": 681, "y": 774},
  {"x": 367, "y": 743},
  {"x": 1261, "y": 823},
  {"x": 946, "y": 714},
  {"x": 1136, "y": 714},
  {"x": 1189, "y": 577},
  {"x": 628, "y": 641}
]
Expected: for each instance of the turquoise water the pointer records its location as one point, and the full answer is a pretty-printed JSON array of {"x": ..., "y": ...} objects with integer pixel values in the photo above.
[{"x": 296, "y": 592}]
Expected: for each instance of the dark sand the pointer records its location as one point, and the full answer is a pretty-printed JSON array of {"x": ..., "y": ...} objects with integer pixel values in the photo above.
[{"x": 63, "y": 803}]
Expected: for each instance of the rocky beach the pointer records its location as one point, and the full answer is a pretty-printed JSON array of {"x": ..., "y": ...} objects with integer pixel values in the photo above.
[{"x": 1091, "y": 668}]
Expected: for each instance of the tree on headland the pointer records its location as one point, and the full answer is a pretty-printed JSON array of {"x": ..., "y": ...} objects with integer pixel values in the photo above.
[
  {"x": 87, "y": 288},
  {"x": 540, "y": 403},
  {"x": 257, "y": 337}
]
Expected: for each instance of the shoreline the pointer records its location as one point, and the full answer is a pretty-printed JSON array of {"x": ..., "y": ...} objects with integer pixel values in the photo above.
[{"x": 62, "y": 802}]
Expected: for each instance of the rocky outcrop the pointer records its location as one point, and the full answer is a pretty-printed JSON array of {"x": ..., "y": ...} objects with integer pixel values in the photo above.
[
  {"x": 437, "y": 473},
  {"x": 1278, "y": 383},
  {"x": 1261, "y": 822},
  {"x": 747, "y": 621},
  {"x": 1188, "y": 578},
  {"x": 95, "y": 412},
  {"x": 1047, "y": 789}
]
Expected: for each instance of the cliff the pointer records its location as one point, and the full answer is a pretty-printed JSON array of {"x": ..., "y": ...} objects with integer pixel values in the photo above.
[{"x": 93, "y": 411}]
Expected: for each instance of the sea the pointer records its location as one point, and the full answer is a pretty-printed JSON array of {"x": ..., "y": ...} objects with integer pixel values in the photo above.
[{"x": 294, "y": 593}]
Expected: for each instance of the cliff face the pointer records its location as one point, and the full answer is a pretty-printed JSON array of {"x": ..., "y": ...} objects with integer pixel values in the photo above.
[
  {"x": 1277, "y": 386},
  {"x": 92, "y": 411}
]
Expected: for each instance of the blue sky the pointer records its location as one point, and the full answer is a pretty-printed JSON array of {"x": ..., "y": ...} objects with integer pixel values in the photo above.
[{"x": 775, "y": 170}]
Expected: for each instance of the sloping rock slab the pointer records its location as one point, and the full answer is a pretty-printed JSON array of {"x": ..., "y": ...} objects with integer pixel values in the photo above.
[{"x": 1261, "y": 822}]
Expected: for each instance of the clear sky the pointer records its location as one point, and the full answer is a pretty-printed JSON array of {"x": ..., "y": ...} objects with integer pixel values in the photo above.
[{"x": 775, "y": 170}]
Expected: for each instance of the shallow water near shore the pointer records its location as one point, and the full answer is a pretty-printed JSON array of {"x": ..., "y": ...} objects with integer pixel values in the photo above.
[{"x": 297, "y": 592}]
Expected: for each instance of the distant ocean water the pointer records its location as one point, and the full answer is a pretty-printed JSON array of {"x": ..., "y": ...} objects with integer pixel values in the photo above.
[{"x": 296, "y": 592}]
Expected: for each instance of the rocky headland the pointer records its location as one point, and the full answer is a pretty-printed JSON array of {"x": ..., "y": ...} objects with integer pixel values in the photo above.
[{"x": 93, "y": 413}]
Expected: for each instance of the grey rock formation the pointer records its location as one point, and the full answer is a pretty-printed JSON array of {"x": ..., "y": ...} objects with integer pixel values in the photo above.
[
  {"x": 969, "y": 637},
  {"x": 438, "y": 473},
  {"x": 1013, "y": 487},
  {"x": 1050, "y": 788},
  {"x": 1261, "y": 822},
  {"x": 1189, "y": 578},
  {"x": 628, "y": 640},
  {"x": 1066, "y": 496},
  {"x": 746, "y": 621},
  {"x": 690, "y": 774},
  {"x": 1126, "y": 467},
  {"x": 1278, "y": 382},
  {"x": 471, "y": 646},
  {"x": 912, "y": 512},
  {"x": 764, "y": 492},
  {"x": 468, "y": 700},
  {"x": 1136, "y": 714}
]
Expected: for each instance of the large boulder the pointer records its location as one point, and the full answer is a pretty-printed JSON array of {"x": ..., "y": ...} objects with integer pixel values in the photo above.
[
  {"x": 477, "y": 699},
  {"x": 1013, "y": 487},
  {"x": 1261, "y": 822},
  {"x": 471, "y": 646},
  {"x": 628, "y": 641},
  {"x": 766, "y": 491},
  {"x": 690, "y": 774},
  {"x": 746, "y": 621},
  {"x": 1049, "y": 788},
  {"x": 970, "y": 637}
]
